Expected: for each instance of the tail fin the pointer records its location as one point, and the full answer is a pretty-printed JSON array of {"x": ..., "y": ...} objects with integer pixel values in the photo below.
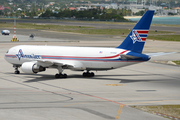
[{"x": 137, "y": 37}]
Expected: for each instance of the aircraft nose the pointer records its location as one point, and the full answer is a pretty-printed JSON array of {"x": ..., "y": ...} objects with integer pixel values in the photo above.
[{"x": 6, "y": 55}]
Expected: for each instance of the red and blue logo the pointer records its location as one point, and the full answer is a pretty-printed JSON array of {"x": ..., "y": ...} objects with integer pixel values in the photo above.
[
  {"x": 139, "y": 35},
  {"x": 22, "y": 55}
]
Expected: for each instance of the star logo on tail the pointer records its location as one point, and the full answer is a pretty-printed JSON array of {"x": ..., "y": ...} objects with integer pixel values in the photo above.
[{"x": 139, "y": 35}]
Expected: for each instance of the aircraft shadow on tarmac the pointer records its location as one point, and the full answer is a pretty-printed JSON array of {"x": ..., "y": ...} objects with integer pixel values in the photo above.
[{"x": 42, "y": 77}]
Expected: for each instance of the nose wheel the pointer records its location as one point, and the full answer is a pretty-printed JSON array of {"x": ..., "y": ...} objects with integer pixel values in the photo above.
[
  {"x": 88, "y": 74},
  {"x": 16, "y": 69},
  {"x": 17, "y": 72}
]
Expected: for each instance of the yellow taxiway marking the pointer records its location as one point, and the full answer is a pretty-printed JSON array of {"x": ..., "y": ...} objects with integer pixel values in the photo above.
[
  {"x": 119, "y": 111},
  {"x": 114, "y": 84}
]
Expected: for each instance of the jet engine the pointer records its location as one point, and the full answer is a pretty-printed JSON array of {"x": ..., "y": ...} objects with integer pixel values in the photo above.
[{"x": 31, "y": 67}]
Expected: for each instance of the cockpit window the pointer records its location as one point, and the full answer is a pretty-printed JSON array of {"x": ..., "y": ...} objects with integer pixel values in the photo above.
[{"x": 7, "y": 51}]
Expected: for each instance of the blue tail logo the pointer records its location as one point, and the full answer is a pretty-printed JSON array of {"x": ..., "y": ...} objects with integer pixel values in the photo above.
[
  {"x": 136, "y": 39},
  {"x": 139, "y": 35}
]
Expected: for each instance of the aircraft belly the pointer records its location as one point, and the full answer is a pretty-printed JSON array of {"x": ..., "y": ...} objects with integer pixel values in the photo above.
[
  {"x": 103, "y": 65},
  {"x": 106, "y": 65}
]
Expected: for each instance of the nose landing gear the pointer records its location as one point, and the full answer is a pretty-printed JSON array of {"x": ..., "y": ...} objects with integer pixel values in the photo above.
[{"x": 16, "y": 69}]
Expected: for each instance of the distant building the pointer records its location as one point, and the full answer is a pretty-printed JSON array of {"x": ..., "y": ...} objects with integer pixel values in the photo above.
[
  {"x": 82, "y": 8},
  {"x": 178, "y": 9},
  {"x": 72, "y": 8},
  {"x": 2, "y": 7},
  {"x": 51, "y": 3},
  {"x": 10, "y": 3},
  {"x": 55, "y": 11},
  {"x": 7, "y": 8},
  {"x": 19, "y": 9},
  {"x": 46, "y": 6},
  {"x": 166, "y": 12}
]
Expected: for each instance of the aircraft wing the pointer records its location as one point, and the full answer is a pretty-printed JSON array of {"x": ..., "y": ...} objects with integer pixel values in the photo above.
[
  {"x": 75, "y": 65},
  {"x": 159, "y": 54}
]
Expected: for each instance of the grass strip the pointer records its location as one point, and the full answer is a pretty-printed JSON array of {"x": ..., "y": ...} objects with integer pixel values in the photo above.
[
  {"x": 177, "y": 62},
  {"x": 101, "y": 31},
  {"x": 165, "y": 37},
  {"x": 169, "y": 110},
  {"x": 39, "y": 26},
  {"x": 154, "y": 35},
  {"x": 96, "y": 22},
  {"x": 124, "y": 32}
]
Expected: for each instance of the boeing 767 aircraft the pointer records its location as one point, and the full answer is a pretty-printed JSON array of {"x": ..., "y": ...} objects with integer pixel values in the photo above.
[{"x": 34, "y": 59}]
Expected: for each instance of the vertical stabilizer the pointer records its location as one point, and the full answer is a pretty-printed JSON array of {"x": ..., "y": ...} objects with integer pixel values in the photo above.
[{"x": 137, "y": 37}]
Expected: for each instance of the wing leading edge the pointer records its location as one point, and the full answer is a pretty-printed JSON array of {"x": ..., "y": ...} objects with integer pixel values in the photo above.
[{"x": 74, "y": 65}]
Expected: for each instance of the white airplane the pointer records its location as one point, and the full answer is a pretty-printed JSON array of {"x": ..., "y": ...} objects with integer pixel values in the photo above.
[{"x": 34, "y": 59}]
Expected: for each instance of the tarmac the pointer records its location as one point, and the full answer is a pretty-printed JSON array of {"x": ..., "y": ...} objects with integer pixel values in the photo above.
[{"x": 108, "y": 95}]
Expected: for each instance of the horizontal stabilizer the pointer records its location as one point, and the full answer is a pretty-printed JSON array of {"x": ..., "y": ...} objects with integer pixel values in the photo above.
[
  {"x": 128, "y": 57},
  {"x": 159, "y": 54}
]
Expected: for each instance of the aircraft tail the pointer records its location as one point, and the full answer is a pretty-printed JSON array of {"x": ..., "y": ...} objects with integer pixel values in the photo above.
[{"x": 137, "y": 37}]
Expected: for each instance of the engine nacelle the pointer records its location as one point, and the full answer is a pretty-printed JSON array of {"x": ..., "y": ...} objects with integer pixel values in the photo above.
[{"x": 31, "y": 67}]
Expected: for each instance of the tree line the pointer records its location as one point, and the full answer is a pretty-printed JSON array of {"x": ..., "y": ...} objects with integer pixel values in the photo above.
[{"x": 110, "y": 14}]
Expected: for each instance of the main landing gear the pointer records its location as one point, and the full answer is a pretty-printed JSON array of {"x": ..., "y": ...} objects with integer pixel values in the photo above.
[
  {"x": 88, "y": 74},
  {"x": 16, "y": 69},
  {"x": 60, "y": 75}
]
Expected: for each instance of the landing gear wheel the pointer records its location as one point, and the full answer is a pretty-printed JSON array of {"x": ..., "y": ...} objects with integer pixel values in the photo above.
[
  {"x": 17, "y": 72},
  {"x": 84, "y": 74},
  {"x": 65, "y": 76},
  {"x": 57, "y": 76},
  {"x": 87, "y": 74},
  {"x": 16, "y": 69},
  {"x": 91, "y": 74},
  {"x": 61, "y": 76}
]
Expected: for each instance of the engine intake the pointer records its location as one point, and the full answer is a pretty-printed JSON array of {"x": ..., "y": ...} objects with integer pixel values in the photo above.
[{"x": 31, "y": 67}]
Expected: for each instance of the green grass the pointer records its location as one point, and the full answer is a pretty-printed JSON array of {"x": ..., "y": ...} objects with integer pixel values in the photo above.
[
  {"x": 96, "y": 22},
  {"x": 152, "y": 32},
  {"x": 159, "y": 35},
  {"x": 165, "y": 37},
  {"x": 170, "y": 110},
  {"x": 177, "y": 62},
  {"x": 77, "y": 21},
  {"x": 165, "y": 25},
  {"x": 39, "y": 26},
  {"x": 101, "y": 31},
  {"x": 124, "y": 32}
]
